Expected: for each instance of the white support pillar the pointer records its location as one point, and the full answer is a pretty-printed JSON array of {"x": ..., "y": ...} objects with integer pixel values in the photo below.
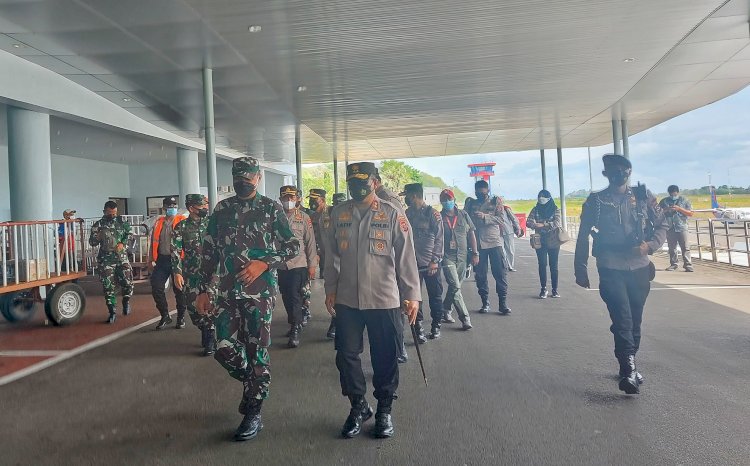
[
  {"x": 624, "y": 135},
  {"x": 210, "y": 135},
  {"x": 544, "y": 169},
  {"x": 561, "y": 176},
  {"x": 29, "y": 165},
  {"x": 298, "y": 155},
  {"x": 188, "y": 174},
  {"x": 616, "y": 135}
]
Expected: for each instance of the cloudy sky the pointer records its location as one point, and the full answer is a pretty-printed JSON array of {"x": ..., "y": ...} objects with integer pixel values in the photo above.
[{"x": 680, "y": 151}]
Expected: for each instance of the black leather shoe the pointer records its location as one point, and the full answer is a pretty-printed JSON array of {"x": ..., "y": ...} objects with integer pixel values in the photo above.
[
  {"x": 294, "y": 336},
  {"x": 638, "y": 377},
  {"x": 503, "y": 309},
  {"x": 180, "y": 323},
  {"x": 331, "y": 333},
  {"x": 403, "y": 358},
  {"x": 628, "y": 379},
  {"x": 209, "y": 347},
  {"x": 357, "y": 416},
  {"x": 249, "y": 427},
  {"x": 383, "y": 426},
  {"x": 125, "y": 306},
  {"x": 165, "y": 320}
]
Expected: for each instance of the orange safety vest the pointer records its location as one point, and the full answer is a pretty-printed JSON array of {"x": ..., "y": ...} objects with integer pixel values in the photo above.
[{"x": 157, "y": 234}]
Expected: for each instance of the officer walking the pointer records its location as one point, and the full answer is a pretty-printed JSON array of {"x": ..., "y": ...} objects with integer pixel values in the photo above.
[
  {"x": 187, "y": 249},
  {"x": 111, "y": 233},
  {"x": 324, "y": 227},
  {"x": 630, "y": 226},
  {"x": 370, "y": 271},
  {"x": 299, "y": 270},
  {"x": 677, "y": 209},
  {"x": 318, "y": 207},
  {"x": 428, "y": 243},
  {"x": 487, "y": 213},
  {"x": 161, "y": 261},
  {"x": 248, "y": 237},
  {"x": 460, "y": 246}
]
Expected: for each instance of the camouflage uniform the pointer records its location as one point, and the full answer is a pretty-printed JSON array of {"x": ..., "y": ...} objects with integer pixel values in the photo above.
[
  {"x": 240, "y": 231},
  {"x": 111, "y": 265},
  {"x": 187, "y": 246}
]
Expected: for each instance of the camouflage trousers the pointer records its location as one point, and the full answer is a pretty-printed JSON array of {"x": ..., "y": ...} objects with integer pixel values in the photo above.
[
  {"x": 243, "y": 335},
  {"x": 112, "y": 272},
  {"x": 190, "y": 292},
  {"x": 306, "y": 295}
]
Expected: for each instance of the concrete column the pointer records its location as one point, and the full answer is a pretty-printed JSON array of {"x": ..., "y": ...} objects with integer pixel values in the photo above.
[
  {"x": 563, "y": 205},
  {"x": 616, "y": 135},
  {"x": 625, "y": 144},
  {"x": 188, "y": 177},
  {"x": 544, "y": 169},
  {"x": 335, "y": 163},
  {"x": 298, "y": 155},
  {"x": 210, "y": 135},
  {"x": 30, "y": 165}
]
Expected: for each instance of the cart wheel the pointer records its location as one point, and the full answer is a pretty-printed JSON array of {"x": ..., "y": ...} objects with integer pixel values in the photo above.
[
  {"x": 65, "y": 304},
  {"x": 19, "y": 306}
]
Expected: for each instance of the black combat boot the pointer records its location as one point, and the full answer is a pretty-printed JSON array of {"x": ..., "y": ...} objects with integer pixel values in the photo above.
[
  {"x": 628, "y": 379},
  {"x": 112, "y": 314},
  {"x": 331, "y": 333},
  {"x": 125, "y": 306},
  {"x": 209, "y": 347},
  {"x": 383, "y": 422},
  {"x": 180, "y": 320},
  {"x": 359, "y": 414},
  {"x": 503, "y": 308},
  {"x": 485, "y": 305},
  {"x": 165, "y": 320},
  {"x": 305, "y": 317},
  {"x": 251, "y": 424},
  {"x": 294, "y": 336},
  {"x": 421, "y": 338},
  {"x": 638, "y": 375},
  {"x": 435, "y": 331}
]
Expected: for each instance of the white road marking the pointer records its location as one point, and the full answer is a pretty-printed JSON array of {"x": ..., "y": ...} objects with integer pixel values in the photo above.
[
  {"x": 682, "y": 288},
  {"x": 62, "y": 356},
  {"x": 30, "y": 353}
]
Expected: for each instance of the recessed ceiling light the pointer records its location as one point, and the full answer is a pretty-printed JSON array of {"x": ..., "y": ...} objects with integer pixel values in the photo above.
[
  {"x": 254, "y": 28},
  {"x": 58, "y": 148},
  {"x": 19, "y": 46},
  {"x": 126, "y": 99},
  {"x": 301, "y": 88},
  {"x": 629, "y": 60}
]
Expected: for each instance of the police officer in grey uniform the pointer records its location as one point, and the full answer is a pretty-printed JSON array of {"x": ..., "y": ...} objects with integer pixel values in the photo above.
[
  {"x": 370, "y": 276},
  {"x": 427, "y": 225},
  {"x": 629, "y": 226},
  {"x": 677, "y": 209}
]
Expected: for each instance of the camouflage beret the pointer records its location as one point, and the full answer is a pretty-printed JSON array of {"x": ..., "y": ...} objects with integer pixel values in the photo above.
[
  {"x": 288, "y": 190},
  {"x": 195, "y": 199},
  {"x": 245, "y": 167}
]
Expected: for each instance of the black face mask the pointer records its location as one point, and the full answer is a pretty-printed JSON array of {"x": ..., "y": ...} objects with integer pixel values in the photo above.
[
  {"x": 243, "y": 189},
  {"x": 618, "y": 178},
  {"x": 359, "y": 189},
  {"x": 314, "y": 205},
  {"x": 481, "y": 196},
  {"x": 408, "y": 201},
  {"x": 202, "y": 213}
]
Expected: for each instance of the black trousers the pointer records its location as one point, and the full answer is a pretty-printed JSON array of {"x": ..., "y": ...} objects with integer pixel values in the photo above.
[
  {"x": 493, "y": 257},
  {"x": 383, "y": 327},
  {"x": 434, "y": 295},
  {"x": 161, "y": 273},
  {"x": 625, "y": 293},
  {"x": 290, "y": 286},
  {"x": 541, "y": 255}
]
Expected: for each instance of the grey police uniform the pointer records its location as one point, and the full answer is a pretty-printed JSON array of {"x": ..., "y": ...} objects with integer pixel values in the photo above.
[
  {"x": 370, "y": 267},
  {"x": 293, "y": 274},
  {"x": 678, "y": 230},
  {"x": 428, "y": 243}
]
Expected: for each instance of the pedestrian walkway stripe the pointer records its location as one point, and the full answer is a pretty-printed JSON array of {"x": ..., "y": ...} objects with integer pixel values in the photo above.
[
  {"x": 64, "y": 355},
  {"x": 683, "y": 288}
]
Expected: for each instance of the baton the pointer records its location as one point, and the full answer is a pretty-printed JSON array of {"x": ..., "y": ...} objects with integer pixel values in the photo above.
[{"x": 416, "y": 345}]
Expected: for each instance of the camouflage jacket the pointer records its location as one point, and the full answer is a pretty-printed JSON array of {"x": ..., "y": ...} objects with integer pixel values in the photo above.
[
  {"x": 107, "y": 234},
  {"x": 238, "y": 232},
  {"x": 187, "y": 246}
]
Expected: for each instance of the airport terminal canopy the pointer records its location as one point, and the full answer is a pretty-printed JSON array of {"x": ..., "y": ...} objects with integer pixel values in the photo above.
[{"x": 379, "y": 79}]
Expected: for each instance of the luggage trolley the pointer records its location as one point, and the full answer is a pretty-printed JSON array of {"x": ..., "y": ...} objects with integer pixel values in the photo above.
[{"x": 40, "y": 262}]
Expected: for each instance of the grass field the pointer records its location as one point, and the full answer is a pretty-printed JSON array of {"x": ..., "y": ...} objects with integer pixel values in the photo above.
[{"x": 699, "y": 202}]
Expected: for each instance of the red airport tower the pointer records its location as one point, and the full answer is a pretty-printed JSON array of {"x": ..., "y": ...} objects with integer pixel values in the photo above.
[{"x": 482, "y": 171}]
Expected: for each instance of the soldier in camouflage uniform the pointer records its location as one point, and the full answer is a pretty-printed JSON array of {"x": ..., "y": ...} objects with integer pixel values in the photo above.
[
  {"x": 112, "y": 234},
  {"x": 247, "y": 239},
  {"x": 187, "y": 247}
]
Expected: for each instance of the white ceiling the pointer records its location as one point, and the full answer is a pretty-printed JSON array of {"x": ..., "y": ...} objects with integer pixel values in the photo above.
[{"x": 388, "y": 78}]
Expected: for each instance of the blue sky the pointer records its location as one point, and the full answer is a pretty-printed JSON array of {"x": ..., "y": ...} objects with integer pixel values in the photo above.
[{"x": 680, "y": 151}]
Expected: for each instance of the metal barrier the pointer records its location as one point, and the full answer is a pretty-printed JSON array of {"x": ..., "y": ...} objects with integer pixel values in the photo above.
[
  {"x": 41, "y": 253},
  {"x": 138, "y": 249},
  {"x": 573, "y": 223}
]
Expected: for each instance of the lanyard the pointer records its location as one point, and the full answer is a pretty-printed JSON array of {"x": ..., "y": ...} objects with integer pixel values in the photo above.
[{"x": 451, "y": 225}]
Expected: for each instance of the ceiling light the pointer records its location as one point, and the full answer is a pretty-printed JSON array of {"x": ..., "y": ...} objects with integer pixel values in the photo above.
[
  {"x": 58, "y": 148},
  {"x": 629, "y": 60},
  {"x": 301, "y": 88},
  {"x": 126, "y": 99},
  {"x": 254, "y": 28}
]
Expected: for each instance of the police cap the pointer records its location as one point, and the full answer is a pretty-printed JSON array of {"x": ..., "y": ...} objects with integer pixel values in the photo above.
[
  {"x": 360, "y": 171},
  {"x": 413, "y": 188},
  {"x": 316, "y": 193},
  {"x": 616, "y": 160},
  {"x": 169, "y": 201},
  {"x": 288, "y": 190}
]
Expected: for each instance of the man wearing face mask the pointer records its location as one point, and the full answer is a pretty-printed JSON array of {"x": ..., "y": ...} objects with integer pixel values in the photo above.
[
  {"x": 317, "y": 204},
  {"x": 296, "y": 272},
  {"x": 629, "y": 226},
  {"x": 112, "y": 234},
  {"x": 247, "y": 239},
  {"x": 187, "y": 246},
  {"x": 371, "y": 275},
  {"x": 488, "y": 214},
  {"x": 677, "y": 210},
  {"x": 460, "y": 248},
  {"x": 428, "y": 243},
  {"x": 161, "y": 263}
]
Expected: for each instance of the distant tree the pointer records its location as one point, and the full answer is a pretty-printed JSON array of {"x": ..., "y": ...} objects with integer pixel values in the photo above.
[{"x": 396, "y": 174}]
